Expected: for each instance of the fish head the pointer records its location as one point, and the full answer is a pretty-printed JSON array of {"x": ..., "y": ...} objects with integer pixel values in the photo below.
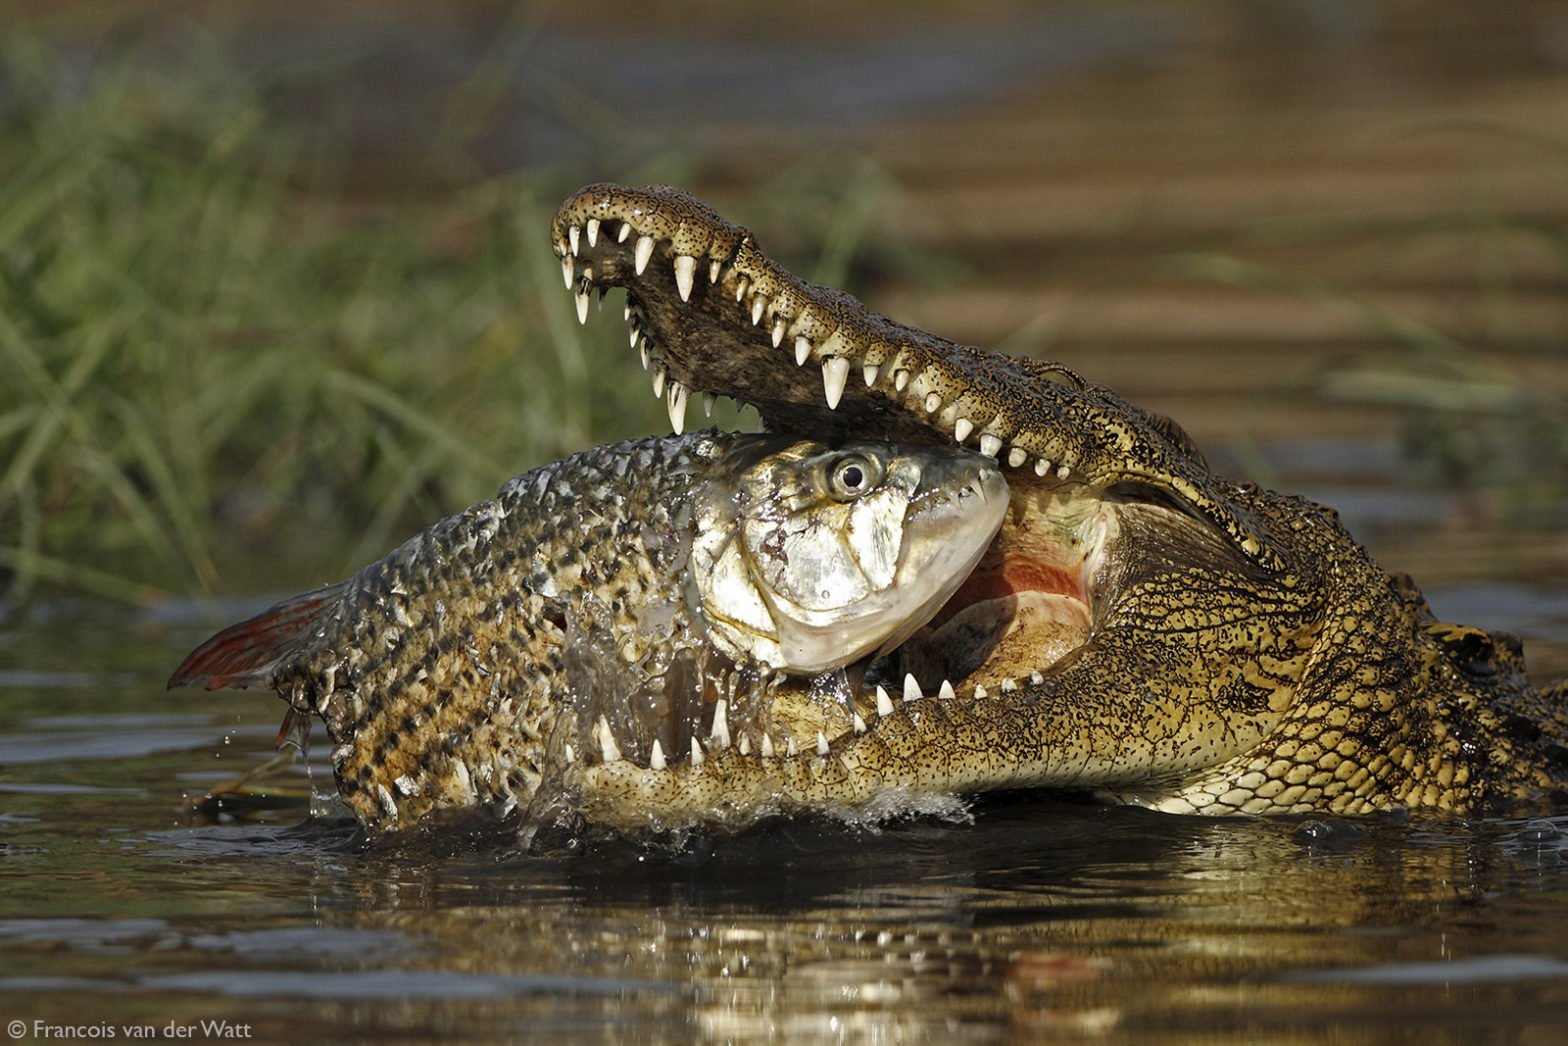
[{"x": 816, "y": 556}]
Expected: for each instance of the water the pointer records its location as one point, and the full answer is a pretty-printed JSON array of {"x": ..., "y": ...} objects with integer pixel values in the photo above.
[{"x": 1033, "y": 916}]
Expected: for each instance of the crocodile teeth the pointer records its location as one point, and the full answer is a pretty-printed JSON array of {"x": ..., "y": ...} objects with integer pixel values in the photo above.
[
  {"x": 802, "y": 350},
  {"x": 685, "y": 272},
  {"x": 571, "y": 756},
  {"x": 822, "y": 743},
  {"x": 1062, "y": 472},
  {"x": 625, "y": 233},
  {"x": 911, "y": 688},
  {"x": 835, "y": 372},
  {"x": 990, "y": 446},
  {"x": 635, "y": 333},
  {"x": 1017, "y": 456},
  {"x": 656, "y": 756},
  {"x": 721, "y": 723},
  {"x": 860, "y": 724},
  {"x": 962, "y": 429},
  {"x": 713, "y": 270},
  {"x": 644, "y": 252},
  {"x": 676, "y": 403},
  {"x": 933, "y": 403},
  {"x": 789, "y": 748},
  {"x": 568, "y": 271},
  {"x": 658, "y": 381},
  {"x": 582, "y": 306},
  {"x": 592, "y": 229},
  {"x": 767, "y": 747},
  {"x": 778, "y": 331},
  {"x": 1041, "y": 466},
  {"x": 758, "y": 305},
  {"x": 1009, "y": 685},
  {"x": 574, "y": 234},
  {"x": 607, "y": 746},
  {"x": 741, "y": 283},
  {"x": 709, "y": 399},
  {"x": 900, "y": 380},
  {"x": 642, "y": 350},
  {"x": 1036, "y": 678},
  {"x": 884, "y": 703},
  {"x": 696, "y": 752},
  {"x": 981, "y": 693},
  {"x": 946, "y": 693},
  {"x": 869, "y": 372},
  {"x": 744, "y": 744}
]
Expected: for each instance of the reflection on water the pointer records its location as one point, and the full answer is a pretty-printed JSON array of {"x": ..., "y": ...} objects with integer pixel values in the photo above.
[{"x": 1044, "y": 917}]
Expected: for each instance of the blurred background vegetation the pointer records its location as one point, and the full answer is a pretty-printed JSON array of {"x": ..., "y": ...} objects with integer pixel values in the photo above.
[{"x": 276, "y": 287}]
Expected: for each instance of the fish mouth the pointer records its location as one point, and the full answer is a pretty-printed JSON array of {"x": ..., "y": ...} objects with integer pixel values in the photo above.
[{"x": 710, "y": 315}]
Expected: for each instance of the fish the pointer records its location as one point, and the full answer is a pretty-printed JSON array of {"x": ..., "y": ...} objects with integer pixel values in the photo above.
[{"x": 655, "y": 600}]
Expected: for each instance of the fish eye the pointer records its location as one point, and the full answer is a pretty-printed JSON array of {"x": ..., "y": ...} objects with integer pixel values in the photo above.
[{"x": 850, "y": 476}]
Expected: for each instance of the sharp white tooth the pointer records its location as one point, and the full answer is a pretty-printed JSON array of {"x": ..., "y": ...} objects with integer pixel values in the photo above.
[
  {"x": 860, "y": 724},
  {"x": 778, "y": 331},
  {"x": 1009, "y": 686},
  {"x": 946, "y": 693},
  {"x": 708, "y": 401},
  {"x": 625, "y": 232},
  {"x": 607, "y": 746},
  {"x": 696, "y": 752},
  {"x": 802, "y": 350},
  {"x": 675, "y": 401},
  {"x": 1017, "y": 456},
  {"x": 685, "y": 271},
  {"x": 741, "y": 283},
  {"x": 573, "y": 235},
  {"x": 980, "y": 693},
  {"x": 568, "y": 271},
  {"x": 767, "y": 747},
  {"x": 911, "y": 688},
  {"x": 656, "y": 756},
  {"x": 1062, "y": 472},
  {"x": 561, "y": 248},
  {"x": 884, "y": 703},
  {"x": 789, "y": 747},
  {"x": 962, "y": 429},
  {"x": 626, "y": 311},
  {"x": 571, "y": 756},
  {"x": 634, "y": 335},
  {"x": 900, "y": 379},
  {"x": 644, "y": 251},
  {"x": 1041, "y": 466},
  {"x": 721, "y": 723},
  {"x": 835, "y": 372},
  {"x": 658, "y": 381},
  {"x": 758, "y": 305},
  {"x": 822, "y": 743},
  {"x": 592, "y": 229},
  {"x": 582, "y": 306},
  {"x": 744, "y": 744},
  {"x": 1036, "y": 678},
  {"x": 933, "y": 403},
  {"x": 869, "y": 372},
  {"x": 713, "y": 270},
  {"x": 990, "y": 446},
  {"x": 642, "y": 350}
]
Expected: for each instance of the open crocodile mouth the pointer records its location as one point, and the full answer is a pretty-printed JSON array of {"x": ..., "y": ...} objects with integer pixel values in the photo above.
[{"x": 710, "y": 315}]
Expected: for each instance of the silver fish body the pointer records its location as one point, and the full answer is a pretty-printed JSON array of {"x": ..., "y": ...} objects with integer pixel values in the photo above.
[{"x": 649, "y": 600}]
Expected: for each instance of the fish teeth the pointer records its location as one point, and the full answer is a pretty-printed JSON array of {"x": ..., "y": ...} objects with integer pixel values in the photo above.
[
  {"x": 835, "y": 373},
  {"x": 656, "y": 756},
  {"x": 591, "y": 227},
  {"x": 911, "y": 688},
  {"x": 884, "y": 704},
  {"x": 822, "y": 743},
  {"x": 676, "y": 404},
  {"x": 685, "y": 272},
  {"x": 990, "y": 445},
  {"x": 721, "y": 723},
  {"x": 962, "y": 428},
  {"x": 607, "y": 746},
  {"x": 802, "y": 350}
]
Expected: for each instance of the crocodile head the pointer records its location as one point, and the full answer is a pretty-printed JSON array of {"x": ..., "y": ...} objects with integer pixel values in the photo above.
[{"x": 1138, "y": 627}]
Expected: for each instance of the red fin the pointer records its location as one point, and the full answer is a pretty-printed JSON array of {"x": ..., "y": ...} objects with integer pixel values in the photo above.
[{"x": 244, "y": 654}]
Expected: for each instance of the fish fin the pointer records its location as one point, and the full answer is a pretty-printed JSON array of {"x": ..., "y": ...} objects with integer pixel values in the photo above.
[{"x": 245, "y": 654}]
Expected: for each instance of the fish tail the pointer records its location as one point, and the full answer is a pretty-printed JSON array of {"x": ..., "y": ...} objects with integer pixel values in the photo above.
[{"x": 245, "y": 654}]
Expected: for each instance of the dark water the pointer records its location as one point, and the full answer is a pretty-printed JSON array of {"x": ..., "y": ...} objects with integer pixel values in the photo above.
[{"x": 1036, "y": 917}]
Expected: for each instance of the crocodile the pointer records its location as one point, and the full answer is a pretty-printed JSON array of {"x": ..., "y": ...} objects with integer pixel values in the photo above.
[{"x": 1140, "y": 628}]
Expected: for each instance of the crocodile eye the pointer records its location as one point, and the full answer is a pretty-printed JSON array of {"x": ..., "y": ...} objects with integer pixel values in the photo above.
[{"x": 851, "y": 476}]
